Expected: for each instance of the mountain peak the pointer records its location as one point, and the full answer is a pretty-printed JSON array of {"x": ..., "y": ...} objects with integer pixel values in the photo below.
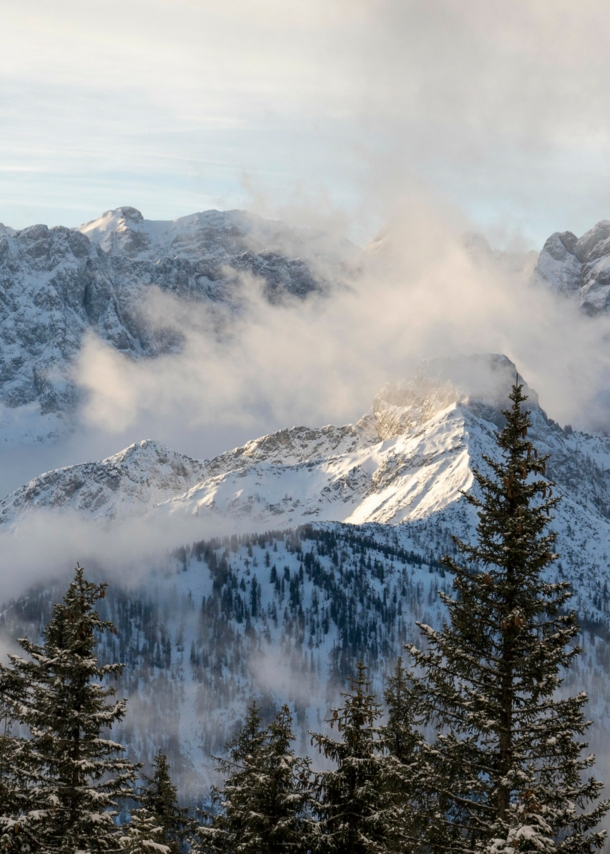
[
  {"x": 577, "y": 267},
  {"x": 485, "y": 378},
  {"x": 129, "y": 213}
]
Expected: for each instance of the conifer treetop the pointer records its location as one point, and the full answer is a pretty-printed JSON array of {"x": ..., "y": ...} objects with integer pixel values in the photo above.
[
  {"x": 70, "y": 775},
  {"x": 489, "y": 678}
]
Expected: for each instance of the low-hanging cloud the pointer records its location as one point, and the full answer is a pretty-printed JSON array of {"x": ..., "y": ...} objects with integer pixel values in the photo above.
[
  {"x": 420, "y": 295},
  {"x": 48, "y": 543}
]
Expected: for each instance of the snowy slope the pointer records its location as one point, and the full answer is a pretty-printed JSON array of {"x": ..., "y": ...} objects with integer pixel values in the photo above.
[{"x": 283, "y": 617}]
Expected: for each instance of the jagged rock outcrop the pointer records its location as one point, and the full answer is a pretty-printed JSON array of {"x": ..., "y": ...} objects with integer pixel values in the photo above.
[{"x": 579, "y": 267}]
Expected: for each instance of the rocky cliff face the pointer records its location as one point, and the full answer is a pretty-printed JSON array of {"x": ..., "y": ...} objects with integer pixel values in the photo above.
[
  {"x": 56, "y": 283},
  {"x": 579, "y": 268}
]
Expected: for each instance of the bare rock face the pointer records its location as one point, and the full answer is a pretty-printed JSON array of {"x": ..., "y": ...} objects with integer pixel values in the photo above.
[
  {"x": 57, "y": 283},
  {"x": 579, "y": 267}
]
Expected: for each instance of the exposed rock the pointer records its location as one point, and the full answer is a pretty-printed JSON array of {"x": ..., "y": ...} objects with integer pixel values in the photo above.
[
  {"x": 579, "y": 267},
  {"x": 57, "y": 283}
]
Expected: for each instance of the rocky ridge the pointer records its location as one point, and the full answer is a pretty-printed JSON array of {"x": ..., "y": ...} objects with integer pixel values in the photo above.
[
  {"x": 579, "y": 268},
  {"x": 405, "y": 463}
]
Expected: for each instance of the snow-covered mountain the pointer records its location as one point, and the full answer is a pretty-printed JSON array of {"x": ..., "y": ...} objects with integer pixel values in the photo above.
[
  {"x": 56, "y": 283},
  {"x": 406, "y": 457},
  {"x": 337, "y": 535},
  {"x": 579, "y": 268},
  {"x": 126, "y": 483},
  {"x": 406, "y": 462}
]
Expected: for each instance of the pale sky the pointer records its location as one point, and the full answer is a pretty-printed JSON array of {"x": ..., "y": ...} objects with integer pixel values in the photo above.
[{"x": 337, "y": 110}]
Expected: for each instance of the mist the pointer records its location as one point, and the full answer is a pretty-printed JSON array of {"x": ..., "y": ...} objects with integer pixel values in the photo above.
[{"x": 420, "y": 294}]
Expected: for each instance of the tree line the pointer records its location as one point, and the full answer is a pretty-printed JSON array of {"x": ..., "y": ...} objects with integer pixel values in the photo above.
[{"x": 475, "y": 750}]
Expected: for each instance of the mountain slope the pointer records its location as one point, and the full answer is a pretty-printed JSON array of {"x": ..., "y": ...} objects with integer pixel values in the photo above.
[
  {"x": 133, "y": 480},
  {"x": 405, "y": 463}
]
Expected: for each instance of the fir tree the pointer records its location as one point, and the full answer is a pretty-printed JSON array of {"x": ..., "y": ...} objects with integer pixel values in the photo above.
[
  {"x": 159, "y": 798},
  {"x": 508, "y": 746},
  {"x": 263, "y": 805},
  {"x": 71, "y": 775},
  {"x": 400, "y": 735},
  {"x": 352, "y": 808},
  {"x": 9, "y": 749},
  {"x": 143, "y": 835},
  {"x": 407, "y": 803}
]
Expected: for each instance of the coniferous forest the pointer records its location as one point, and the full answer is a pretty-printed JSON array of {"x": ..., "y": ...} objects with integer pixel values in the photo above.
[{"x": 470, "y": 747}]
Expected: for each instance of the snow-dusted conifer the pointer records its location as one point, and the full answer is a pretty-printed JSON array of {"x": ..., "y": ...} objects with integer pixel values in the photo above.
[
  {"x": 71, "y": 774},
  {"x": 13, "y": 775},
  {"x": 407, "y": 803},
  {"x": 490, "y": 676},
  {"x": 143, "y": 835},
  {"x": 160, "y": 799},
  {"x": 262, "y": 807},
  {"x": 352, "y": 809}
]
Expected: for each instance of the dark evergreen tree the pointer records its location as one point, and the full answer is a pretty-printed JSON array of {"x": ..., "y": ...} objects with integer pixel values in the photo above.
[
  {"x": 507, "y": 763},
  {"x": 159, "y": 798},
  {"x": 71, "y": 775},
  {"x": 262, "y": 807},
  {"x": 409, "y": 807},
  {"x": 13, "y": 773},
  {"x": 400, "y": 735},
  {"x": 352, "y": 808}
]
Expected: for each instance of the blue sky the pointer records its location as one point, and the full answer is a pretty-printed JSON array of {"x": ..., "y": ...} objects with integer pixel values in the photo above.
[{"x": 316, "y": 111}]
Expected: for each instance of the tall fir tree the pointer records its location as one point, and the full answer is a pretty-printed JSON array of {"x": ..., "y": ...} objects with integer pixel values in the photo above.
[
  {"x": 71, "y": 775},
  {"x": 159, "y": 798},
  {"x": 408, "y": 805},
  {"x": 507, "y": 763},
  {"x": 352, "y": 808},
  {"x": 262, "y": 808},
  {"x": 14, "y": 775}
]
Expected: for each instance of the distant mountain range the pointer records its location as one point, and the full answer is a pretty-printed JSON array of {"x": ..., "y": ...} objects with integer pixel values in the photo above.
[{"x": 57, "y": 283}]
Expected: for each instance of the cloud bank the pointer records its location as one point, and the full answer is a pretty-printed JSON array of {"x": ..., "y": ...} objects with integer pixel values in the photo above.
[{"x": 420, "y": 295}]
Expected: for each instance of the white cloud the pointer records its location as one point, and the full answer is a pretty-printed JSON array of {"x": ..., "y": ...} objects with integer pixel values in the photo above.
[{"x": 323, "y": 360}]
